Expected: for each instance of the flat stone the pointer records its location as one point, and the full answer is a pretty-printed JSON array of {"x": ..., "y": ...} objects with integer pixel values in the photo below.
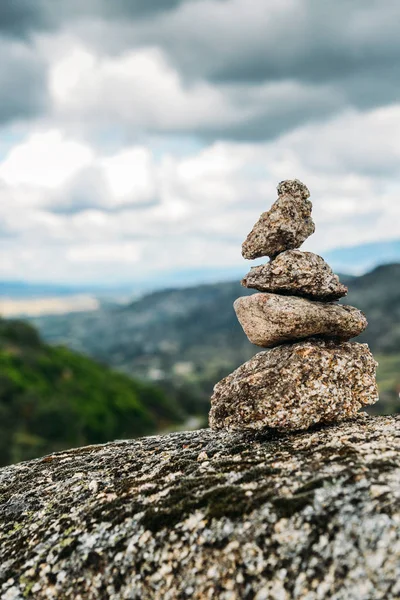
[
  {"x": 285, "y": 226},
  {"x": 295, "y": 386},
  {"x": 299, "y": 274},
  {"x": 271, "y": 319}
]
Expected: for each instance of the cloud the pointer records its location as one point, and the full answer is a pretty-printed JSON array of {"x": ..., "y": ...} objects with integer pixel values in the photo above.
[
  {"x": 140, "y": 93},
  {"x": 147, "y": 213},
  {"x": 45, "y": 160},
  {"x": 128, "y": 9},
  {"x": 214, "y": 68},
  {"x": 50, "y": 170},
  {"x": 138, "y": 90},
  {"x": 19, "y": 17},
  {"x": 303, "y": 39},
  {"x": 259, "y": 72},
  {"x": 248, "y": 41},
  {"x": 22, "y": 82},
  {"x": 141, "y": 136}
]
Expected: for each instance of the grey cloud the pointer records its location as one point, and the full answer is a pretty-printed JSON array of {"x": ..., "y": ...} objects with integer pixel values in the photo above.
[
  {"x": 320, "y": 42},
  {"x": 22, "y": 82},
  {"x": 276, "y": 116},
  {"x": 88, "y": 191},
  {"x": 308, "y": 40},
  {"x": 19, "y": 17},
  {"x": 353, "y": 49},
  {"x": 350, "y": 49},
  {"x": 81, "y": 203},
  {"x": 131, "y": 8}
]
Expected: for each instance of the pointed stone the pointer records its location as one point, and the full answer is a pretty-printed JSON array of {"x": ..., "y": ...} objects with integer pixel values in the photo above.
[
  {"x": 295, "y": 386},
  {"x": 297, "y": 273},
  {"x": 285, "y": 226},
  {"x": 270, "y": 319}
]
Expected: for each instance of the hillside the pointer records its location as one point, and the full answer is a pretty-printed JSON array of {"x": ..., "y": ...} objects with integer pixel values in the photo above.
[
  {"x": 189, "y": 338},
  {"x": 378, "y": 295},
  {"x": 52, "y": 398}
]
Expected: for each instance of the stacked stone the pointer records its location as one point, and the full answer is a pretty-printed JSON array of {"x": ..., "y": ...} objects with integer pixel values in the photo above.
[{"x": 311, "y": 373}]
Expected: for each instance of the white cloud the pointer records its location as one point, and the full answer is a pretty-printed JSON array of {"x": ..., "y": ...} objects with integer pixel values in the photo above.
[
  {"x": 131, "y": 163},
  {"x": 131, "y": 213},
  {"x": 137, "y": 88},
  {"x": 45, "y": 160},
  {"x": 105, "y": 253},
  {"x": 364, "y": 142},
  {"x": 130, "y": 176},
  {"x": 140, "y": 91}
]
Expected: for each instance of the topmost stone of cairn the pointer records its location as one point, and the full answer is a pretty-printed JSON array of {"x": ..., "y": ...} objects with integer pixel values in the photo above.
[{"x": 285, "y": 226}]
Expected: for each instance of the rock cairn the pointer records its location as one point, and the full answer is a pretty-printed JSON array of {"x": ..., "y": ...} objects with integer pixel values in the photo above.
[{"x": 311, "y": 373}]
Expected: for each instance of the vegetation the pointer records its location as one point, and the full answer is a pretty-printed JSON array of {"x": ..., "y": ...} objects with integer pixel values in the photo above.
[
  {"x": 184, "y": 340},
  {"x": 52, "y": 398},
  {"x": 378, "y": 295},
  {"x": 389, "y": 384}
]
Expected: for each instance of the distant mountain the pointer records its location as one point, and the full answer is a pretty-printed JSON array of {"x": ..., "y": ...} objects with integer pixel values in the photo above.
[
  {"x": 52, "y": 398},
  {"x": 188, "y": 339},
  {"x": 32, "y": 290},
  {"x": 378, "y": 295},
  {"x": 20, "y": 289},
  {"x": 364, "y": 257},
  {"x": 353, "y": 259}
]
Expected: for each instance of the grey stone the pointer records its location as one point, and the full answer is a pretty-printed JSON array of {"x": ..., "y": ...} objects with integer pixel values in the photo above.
[
  {"x": 209, "y": 514},
  {"x": 295, "y": 386},
  {"x": 285, "y": 226},
  {"x": 271, "y": 319},
  {"x": 299, "y": 274}
]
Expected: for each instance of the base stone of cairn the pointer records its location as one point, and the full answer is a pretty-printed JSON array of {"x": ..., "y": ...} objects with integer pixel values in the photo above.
[
  {"x": 311, "y": 373},
  {"x": 294, "y": 386}
]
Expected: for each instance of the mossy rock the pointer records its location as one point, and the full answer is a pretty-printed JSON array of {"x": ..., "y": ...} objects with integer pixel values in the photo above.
[{"x": 208, "y": 515}]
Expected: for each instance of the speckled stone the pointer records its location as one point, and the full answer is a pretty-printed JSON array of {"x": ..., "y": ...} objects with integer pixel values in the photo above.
[
  {"x": 208, "y": 515},
  {"x": 299, "y": 274},
  {"x": 271, "y": 319},
  {"x": 295, "y": 386},
  {"x": 285, "y": 226}
]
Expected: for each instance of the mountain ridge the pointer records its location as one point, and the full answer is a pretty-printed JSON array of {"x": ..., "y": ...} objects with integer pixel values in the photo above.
[
  {"x": 188, "y": 339},
  {"x": 357, "y": 259}
]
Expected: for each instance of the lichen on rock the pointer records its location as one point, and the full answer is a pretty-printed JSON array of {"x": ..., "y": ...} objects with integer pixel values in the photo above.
[
  {"x": 297, "y": 273},
  {"x": 295, "y": 386},
  {"x": 208, "y": 514},
  {"x": 271, "y": 319},
  {"x": 285, "y": 226}
]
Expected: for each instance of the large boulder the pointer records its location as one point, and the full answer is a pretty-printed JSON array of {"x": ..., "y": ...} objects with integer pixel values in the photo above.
[{"x": 206, "y": 515}]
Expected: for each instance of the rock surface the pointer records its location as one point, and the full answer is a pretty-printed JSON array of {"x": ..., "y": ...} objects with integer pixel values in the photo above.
[
  {"x": 285, "y": 226},
  {"x": 299, "y": 274},
  {"x": 206, "y": 515},
  {"x": 295, "y": 386},
  {"x": 270, "y": 319}
]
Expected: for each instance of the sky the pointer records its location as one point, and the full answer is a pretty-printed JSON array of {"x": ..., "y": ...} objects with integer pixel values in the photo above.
[{"x": 145, "y": 137}]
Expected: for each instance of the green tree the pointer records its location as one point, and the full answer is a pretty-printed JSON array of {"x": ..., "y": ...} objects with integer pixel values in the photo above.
[{"x": 52, "y": 398}]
